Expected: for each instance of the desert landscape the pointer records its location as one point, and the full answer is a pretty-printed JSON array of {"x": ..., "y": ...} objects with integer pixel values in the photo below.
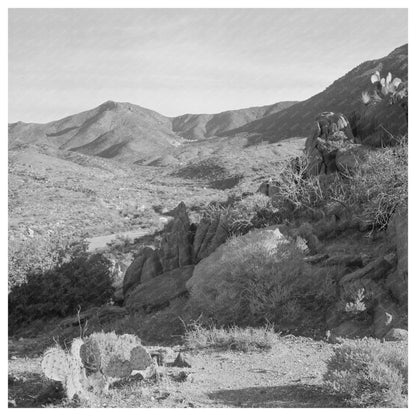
[{"x": 253, "y": 257}]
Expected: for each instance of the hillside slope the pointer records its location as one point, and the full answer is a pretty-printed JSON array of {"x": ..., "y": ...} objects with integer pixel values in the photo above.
[
  {"x": 343, "y": 95},
  {"x": 128, "y": 132},
  {"x": 203, "y": 126},
  {"x": 119, "y": 131}
]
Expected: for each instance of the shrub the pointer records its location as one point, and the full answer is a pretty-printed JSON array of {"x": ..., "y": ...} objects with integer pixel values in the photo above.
[
  {"x": 368, "y": 373},
  {"x": 244, "y": 214},
  {"x": 258, "y": 284},
  {"x": 38, "y": 254},
  {"x": 78, "y": 279},
  {"x": 234, "y": 338}
]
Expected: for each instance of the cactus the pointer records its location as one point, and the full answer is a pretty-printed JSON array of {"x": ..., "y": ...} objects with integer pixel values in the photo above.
[
  {"x": 92, "y": 363},
  {"x": 394, "y": 89},
  {"x": 90, "y": 355},
  {"x": 55, "y": 364},
  {"x": 117, "y": 368},
  {"x": 140, "y": 359}
]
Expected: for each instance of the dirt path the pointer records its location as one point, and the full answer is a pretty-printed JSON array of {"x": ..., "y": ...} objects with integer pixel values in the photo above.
[
  {"x": 101, "y": 241},
  {"x": 288, "y": 375}
]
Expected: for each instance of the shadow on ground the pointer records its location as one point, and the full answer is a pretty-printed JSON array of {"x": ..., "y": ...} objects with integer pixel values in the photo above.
[
  {"x": 300, "y": 395},
  {"x": 31, "y": 390}
]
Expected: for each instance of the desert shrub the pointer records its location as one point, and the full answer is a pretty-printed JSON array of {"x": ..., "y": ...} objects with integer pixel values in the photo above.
[
  {"x": 78, "y": 279},
  {"x": 259, "y": 285},
  {"x": 233, "y": 338},
  {"x": 368, "y": 373},
  {"x": 38, "y": 253},
  {"x": 243, "y": 214},
  {"x": 371, "y": 193}
]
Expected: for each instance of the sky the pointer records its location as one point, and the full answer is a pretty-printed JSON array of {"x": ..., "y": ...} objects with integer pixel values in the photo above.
[{"x": 177, "y": 61}]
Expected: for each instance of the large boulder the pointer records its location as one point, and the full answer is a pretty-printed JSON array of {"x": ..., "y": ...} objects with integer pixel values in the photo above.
[
  {"x": 176, "y": 243},
  {"x": 209, "y": 280},
  {"x": 158, "y": 292}
]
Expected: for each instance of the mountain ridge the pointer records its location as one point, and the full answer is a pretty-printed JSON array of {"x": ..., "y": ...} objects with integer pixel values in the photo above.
[{"x": 128, "y": 132}]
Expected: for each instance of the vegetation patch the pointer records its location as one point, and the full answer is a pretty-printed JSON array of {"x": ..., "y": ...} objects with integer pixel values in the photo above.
[
  {"x": 77, "y": 280},
  {"x": 369, "y": 373},
  {"x": 233, "y": 338}
]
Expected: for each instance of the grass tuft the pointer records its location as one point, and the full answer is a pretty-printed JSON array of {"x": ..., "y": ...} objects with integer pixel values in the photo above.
[{"x": 233, "y": 338}]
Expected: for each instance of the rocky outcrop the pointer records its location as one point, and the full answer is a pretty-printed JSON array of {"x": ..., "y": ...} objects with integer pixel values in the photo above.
[
  {"x": 158, "y": 292},
  {"x": 152, "y": 267},
  {"x": 133, "y": 275},
  {"x": 175, "y": 252},
  {"x": 176, "y": 244},
  {"x": 210, "y": 234},
  {"x": 331, "y": 132}
]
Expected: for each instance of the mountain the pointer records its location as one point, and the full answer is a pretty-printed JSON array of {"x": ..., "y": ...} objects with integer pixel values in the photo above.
[
  {"x": 343, "y": 95},
  {"x": 112, "y": 130},
  {"x": 203, "y": 126},
  {"x": 128, "y": 132}
]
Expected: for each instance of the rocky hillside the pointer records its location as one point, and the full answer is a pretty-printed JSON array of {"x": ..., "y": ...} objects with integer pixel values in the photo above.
[
  {"x": 128, "y": 132},
  {"x": 120, "y": 131},
  {"x": 343, "y": 96},
  {"x": 204, "y": 126}
]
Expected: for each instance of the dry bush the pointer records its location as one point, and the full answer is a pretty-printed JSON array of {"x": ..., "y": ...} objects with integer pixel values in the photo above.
[
  {"x": 234, "y": 338},
  {"x": 243, "y": 214},
  {"x": 371, "y": 193},
  {"x": 262, "y": 285},
  {"x": 368, "y": 373}
]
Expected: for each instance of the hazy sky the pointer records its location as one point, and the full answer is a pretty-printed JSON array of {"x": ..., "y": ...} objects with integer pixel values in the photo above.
[{"x": 176, "y": 61}]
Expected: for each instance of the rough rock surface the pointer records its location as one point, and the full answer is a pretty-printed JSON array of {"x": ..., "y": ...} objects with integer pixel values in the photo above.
[
  {"x": 209, "y": 235},
  {"x": 176, "y": 244},
  {"x": 157, "y": 293},
  {"x": 152, "y": 267},
  {"x": 331, "y": 132},
  {"x": 132, "y": 277}
]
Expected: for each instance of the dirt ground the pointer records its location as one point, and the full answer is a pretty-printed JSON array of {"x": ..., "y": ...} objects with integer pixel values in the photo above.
[{"x": 288, "y": 375}]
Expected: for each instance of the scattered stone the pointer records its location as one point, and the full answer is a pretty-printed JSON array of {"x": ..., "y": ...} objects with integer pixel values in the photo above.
[{"x": 181, "y": 361}]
